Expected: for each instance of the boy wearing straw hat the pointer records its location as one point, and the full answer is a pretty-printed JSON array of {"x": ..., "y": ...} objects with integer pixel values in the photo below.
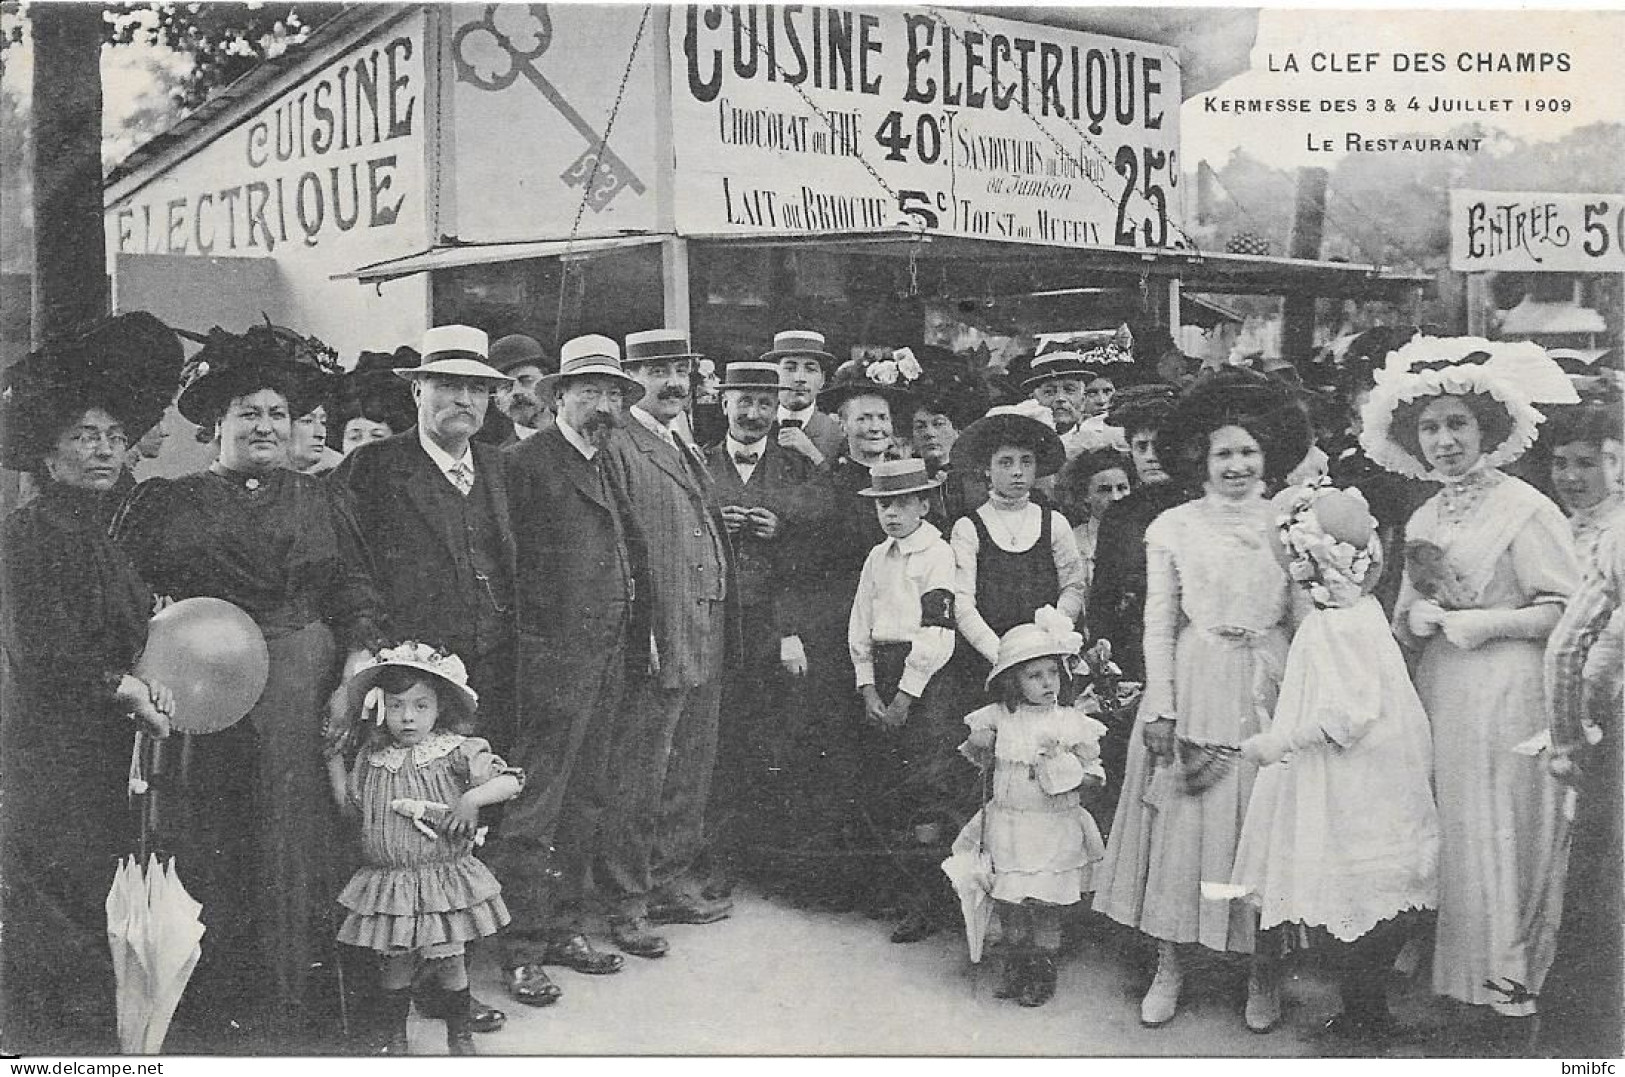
[{"x": 901, "y": 635}]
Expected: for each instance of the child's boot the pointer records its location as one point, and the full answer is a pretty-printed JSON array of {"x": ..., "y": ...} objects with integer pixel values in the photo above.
[
  {"x": 1014, "y": 974},
  {"x": 1161, "y": 1001},
  {"x": 459, "y": 1036},
  {"x": 1039, "y": 986},
  {"x": 394, "y": 1007}
]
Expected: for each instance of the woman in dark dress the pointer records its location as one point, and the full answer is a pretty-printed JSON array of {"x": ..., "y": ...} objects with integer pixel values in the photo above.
[
  {"x": 247, "y": 809},
  {"x": 74, "y": 621}
]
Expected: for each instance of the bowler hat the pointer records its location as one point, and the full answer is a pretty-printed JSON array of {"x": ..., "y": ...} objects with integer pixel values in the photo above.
[
  {"x": 516, "y": 349},
  {"x": 893, "y": 478},
  {"x": 591, "y": 355}
]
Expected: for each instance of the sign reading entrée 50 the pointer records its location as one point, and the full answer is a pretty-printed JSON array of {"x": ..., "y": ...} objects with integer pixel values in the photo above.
[
  {"x": 1530, "y": 232},
  {"x": 812, "y": 119}
]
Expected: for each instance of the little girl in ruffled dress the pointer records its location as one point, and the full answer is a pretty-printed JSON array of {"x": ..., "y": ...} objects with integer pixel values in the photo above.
[
  {"x": 1341, "y": 835},
  {"x": 421, "y": 895},
  {"x": 1032, "y": 847}
]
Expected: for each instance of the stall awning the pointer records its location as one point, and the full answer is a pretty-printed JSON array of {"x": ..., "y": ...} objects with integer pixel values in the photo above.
[
  {"x": 473, "y": 254},
  {"x": 1035, "y": 267}
]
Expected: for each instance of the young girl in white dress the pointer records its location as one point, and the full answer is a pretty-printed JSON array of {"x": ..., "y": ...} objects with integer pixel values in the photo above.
[
  {"x": 421, "y": 895},
  {"x": 1041, "y": 842},
  {"x": 1341, "y": 833}
]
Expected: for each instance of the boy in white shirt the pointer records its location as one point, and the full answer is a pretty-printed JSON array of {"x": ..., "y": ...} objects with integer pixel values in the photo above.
[{"x": 901, "y": 635}]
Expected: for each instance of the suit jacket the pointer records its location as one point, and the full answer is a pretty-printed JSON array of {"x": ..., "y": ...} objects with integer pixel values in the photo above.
[
  {"x": 826, "y": 433},
  {"x": 672, "y": 507},
  {"x": 770, "y": 571},
  {"x": 415, "y": 545}
]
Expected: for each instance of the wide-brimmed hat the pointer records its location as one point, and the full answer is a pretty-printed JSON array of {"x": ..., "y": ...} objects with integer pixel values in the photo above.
[
  {"x": 1142, "y": 407},
  {"x": 593, "y": 355},
  {"x": 1006, "y": 425},
  {"x": 658, "y": 346},
  {"x": 888, "y": 379},
  {"x": 128, "y": 365},
  {"x": 798, "y": 342},
  {"x": 517, "y": 349},
  {"x": 1237, "y": 396},
  {"x": 455, "y": 351},
  {"x": 749, "y": 375},
  {"x": 372, "y": 390},
  {"x": 1050, "y": 634},
  {"x": 264, "y": 356},
  {"x": 893, "y": 478},
  {"x": 410, "y": 654},
  {"x": 949, "y": 386},
  {"x": 1513, "y": 375}
]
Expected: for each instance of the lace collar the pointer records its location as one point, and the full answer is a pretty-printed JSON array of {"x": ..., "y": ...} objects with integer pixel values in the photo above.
[
  {"x": 1458, "y": 498},
  {"x": 435, "y": 746}
]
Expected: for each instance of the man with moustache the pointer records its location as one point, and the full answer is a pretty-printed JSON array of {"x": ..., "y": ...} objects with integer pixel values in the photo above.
[
  {"x": 666, "y": 749},
  {"x": 576, "y": 589},
  {"x": 433, "y": 506},
  {"x": 773, "y": 499},
  {"x": 522, "y": 359},
  {"x": 800, "y": 355}
]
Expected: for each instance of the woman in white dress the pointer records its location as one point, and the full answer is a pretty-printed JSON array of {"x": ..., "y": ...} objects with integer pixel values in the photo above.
[
  {"x": 1477, "y": 609},
  {"x": 1217, "y": 625}
]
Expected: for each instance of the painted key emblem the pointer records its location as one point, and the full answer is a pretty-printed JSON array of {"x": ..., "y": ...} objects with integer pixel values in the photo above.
[{"x": 505, "y": 44}]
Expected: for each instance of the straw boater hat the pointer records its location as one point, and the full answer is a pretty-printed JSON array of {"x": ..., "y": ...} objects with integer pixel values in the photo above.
[
  {"x": 592, "y": 354},
  {"x": 365, "y": 699},
  {"x": 126, "y": 365},
  {"x": 265, "y": 356},
  {"x": 748, "y": 375},
  {"x": 1061, "y": 363},
  {"x": 893, "y": 478},
  {"x": 455, "y": 351},
  {"x": 1236, "y": 396},
  {"x": 1512, "y": 375},
  {"x": 798, "y": 342},
  {"x": 658, "y": 345},
  {"x": 1007, "y": 425},
  {"x": 516, "y": 350}
]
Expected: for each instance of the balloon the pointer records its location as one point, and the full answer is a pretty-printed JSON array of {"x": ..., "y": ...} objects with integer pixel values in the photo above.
[
  {"x": 212, "y": 656},
  {"x": 1344, "y": 517}
]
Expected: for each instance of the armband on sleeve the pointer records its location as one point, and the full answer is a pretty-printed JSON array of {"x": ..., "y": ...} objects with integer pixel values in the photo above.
[{"x": 937, "y": 609}]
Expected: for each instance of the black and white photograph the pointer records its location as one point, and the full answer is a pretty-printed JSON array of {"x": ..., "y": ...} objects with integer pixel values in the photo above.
[{"x": 872, "y": 531}]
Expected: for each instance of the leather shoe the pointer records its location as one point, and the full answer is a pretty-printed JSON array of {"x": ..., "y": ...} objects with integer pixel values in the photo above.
[
  {"x": 530, "y": 985},
  {"x": 578, "y": 954},
  {"x": 635, "y": 938},
  {"x": 684, "y": 909},
  {"x": 481, "y": 1018}
]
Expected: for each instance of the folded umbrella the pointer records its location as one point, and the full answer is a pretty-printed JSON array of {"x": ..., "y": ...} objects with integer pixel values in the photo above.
[
  {"x": 155, "y": 936},
  {"x": 969, "y": 868}
]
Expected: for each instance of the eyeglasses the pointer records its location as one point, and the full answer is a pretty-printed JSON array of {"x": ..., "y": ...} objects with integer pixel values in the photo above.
[{"x": 90, "y": 440}]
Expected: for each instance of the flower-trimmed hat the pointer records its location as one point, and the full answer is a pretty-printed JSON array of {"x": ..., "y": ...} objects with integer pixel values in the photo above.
[
  {"x": 366, "y": 700},
  {"x": 1050, "y": 634},
  {"x": 128, "y": 365},
  {"x": 1237, "y": 396},
  {"x": 1007, "y": 424},
  {"x": 890, "y": 379},
  {"x": 893, "y": 478},
  {"x": 1509, "y": 375},
  {"x": 265, "y": 356}
]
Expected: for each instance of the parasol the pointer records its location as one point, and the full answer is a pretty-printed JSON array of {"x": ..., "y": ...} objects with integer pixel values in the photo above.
[
  {"x": 155, "y": 937},
  {"x": 1537, "y": 927},
  {"x": 970, "y": 869}
]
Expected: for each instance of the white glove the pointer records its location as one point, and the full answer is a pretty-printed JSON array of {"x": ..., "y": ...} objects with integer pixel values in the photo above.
[
  {"x": 1266, "y": 749},
  {"x": 793, "y": 656},
  {"x": 1425, "y": 618}
]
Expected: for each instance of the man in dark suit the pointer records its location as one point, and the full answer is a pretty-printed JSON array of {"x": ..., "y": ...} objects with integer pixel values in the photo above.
[
  {"x": 772, "y": 501},
  {"x": 433, "y": 506},
  {"x": 801, "y": 358},
  {"x": 575, "y": 587},
  {"x": 666, "y": 748}
]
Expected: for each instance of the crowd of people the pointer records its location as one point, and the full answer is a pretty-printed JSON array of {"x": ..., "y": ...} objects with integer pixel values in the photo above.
[{"x": 563, "y": 648}]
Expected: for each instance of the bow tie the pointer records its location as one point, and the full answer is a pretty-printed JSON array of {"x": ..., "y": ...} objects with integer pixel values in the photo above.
[
  {"x": 791, "y": 424},
  {"x": 748, "y": 459}
]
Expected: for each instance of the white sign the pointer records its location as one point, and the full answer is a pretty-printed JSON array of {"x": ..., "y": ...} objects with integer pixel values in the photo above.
[
  {"x": 1541, "y": 233},
  {"x": 829, "y": 119},
  {"x": 336, "y": 159}
]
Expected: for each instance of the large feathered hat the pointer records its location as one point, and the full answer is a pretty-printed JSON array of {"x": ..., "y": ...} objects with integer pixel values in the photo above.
[{"x": 263, "y": 357}]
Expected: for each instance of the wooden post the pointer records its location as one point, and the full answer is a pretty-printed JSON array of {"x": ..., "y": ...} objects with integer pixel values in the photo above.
[
  {"x": 673, "y": 248},
  {"x": 1298, "y": 312}
]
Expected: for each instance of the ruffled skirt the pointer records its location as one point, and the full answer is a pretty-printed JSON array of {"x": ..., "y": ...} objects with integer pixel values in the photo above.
[
  {"x": 1047, "y": 856},
  {"x": 398, "y": 910}
]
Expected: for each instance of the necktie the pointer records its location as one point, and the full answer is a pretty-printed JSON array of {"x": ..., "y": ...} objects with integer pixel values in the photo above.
[
  {"x": 747, "y": 459},
  {"x": 791, "y": 424},
  {"x": 462, "y": 478}
]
